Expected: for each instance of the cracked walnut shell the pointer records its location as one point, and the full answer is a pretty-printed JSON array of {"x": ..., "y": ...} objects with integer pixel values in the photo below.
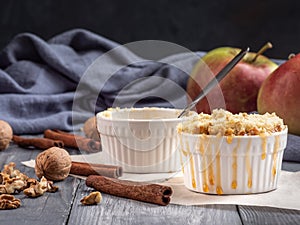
[
  {"x": 53, "y": 163},
  {"x": 6, "y": 134}
]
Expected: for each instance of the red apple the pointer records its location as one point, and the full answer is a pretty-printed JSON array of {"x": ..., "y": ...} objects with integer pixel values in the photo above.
[
  {"x": 280, "y": 93},
  {"x": 238, "y": 90}
]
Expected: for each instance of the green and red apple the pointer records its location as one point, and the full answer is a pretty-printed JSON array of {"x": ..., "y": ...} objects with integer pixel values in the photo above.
[
  {"x": 238, "y": 91},
  {"x": 280, "y": 93}
]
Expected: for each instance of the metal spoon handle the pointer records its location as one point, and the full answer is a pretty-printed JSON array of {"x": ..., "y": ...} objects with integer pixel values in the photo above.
[{"x": 215, "y": 81}]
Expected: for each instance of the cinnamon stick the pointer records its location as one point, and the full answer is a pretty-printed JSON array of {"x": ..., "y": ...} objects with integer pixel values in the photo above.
[
  {"x": 86, "y": 169},
  {"x": 41, "y": 143},
  {"x": 74, "y": 141},
  {"x": 152, "y": 193}
]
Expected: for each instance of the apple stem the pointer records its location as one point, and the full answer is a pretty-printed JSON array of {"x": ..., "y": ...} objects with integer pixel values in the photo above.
[
  {"x": 292, "y": 55},
  {"x": 262, "y": 50}
]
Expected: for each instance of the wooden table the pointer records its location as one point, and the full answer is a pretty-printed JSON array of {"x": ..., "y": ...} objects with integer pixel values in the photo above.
[{"x": 64, "y": 207}]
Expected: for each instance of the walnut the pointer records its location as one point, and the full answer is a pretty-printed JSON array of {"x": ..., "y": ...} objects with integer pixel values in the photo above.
[
  {"x": 92, "y": 199},
  {"x": 9, "y": 202},
  {"x": 6, "y": 134},
  {"x": 90, "y": 129},
  {"x": 37, "y": 189},
  {"x": 53, "y": 163}
]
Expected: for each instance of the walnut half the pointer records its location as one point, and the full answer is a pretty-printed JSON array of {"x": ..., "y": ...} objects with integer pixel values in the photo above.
[
  {"x": 92, "y": 199},
  {"x": 37, "y": 188},
  {"x": 9, "y": 202},
  {"x": 12, "y": 180}
]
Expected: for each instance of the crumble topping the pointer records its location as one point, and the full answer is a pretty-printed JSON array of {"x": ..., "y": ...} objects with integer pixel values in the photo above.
[{"x": 222, "y": 122}]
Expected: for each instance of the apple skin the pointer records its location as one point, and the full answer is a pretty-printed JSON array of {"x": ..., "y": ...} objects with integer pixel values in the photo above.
[
  {"x": 239, "y": 88},
  {"x": 280, "y": 93}
]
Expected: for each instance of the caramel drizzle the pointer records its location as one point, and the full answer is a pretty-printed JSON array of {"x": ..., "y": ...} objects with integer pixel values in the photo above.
[
  {"x": 229, "y": 139},
  {"x": 201, "y": 147},
  {"x": 193, "y": 172},
  {"x": 234, "y": 165},
  {"x": 264, "y": 146},
  {"x": 248, "y": 166},
  {"x": 192, "y": 165},
  {"x": 181, "y": 152},
  {"x": 211, "y": 178},
  {"x": 185, "y": 153},
  {"x": 203, "y": 164},
  {"x": 181, "y": 162},
  {"x": 275, "y": 154},
  {"x": 219, "y": 189}
]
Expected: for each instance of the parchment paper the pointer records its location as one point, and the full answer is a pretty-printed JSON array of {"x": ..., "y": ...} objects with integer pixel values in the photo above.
[{"x": 287, "y": 194}]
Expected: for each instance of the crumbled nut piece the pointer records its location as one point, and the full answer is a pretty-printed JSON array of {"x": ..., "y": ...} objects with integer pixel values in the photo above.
[
  {"x": 12, "y": 180},
  {"x": 31, "y": 181},
  {"x": 92, "y": 199},
  {"x": 51, "y": 188},
  {"x": 3, "y": 178},
  {"x": 10, "y": 170},
  {"x": 12, "y": 185},
  {"x": 48, "y": 185},
  {"x": 37, "y": 189},
  {"x": 9, "y": 202}
]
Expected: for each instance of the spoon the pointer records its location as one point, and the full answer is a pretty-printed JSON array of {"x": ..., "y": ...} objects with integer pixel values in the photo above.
[{"x": 215, "y": 81}]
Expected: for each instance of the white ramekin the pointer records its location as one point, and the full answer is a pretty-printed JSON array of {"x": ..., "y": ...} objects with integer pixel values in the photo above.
[
  {"x": 231, "y": 165},
  {"x": 141, "y": 140}
]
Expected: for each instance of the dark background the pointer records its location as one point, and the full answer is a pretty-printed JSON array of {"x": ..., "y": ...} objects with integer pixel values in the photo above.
[{"x": 195, "y": 24}]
